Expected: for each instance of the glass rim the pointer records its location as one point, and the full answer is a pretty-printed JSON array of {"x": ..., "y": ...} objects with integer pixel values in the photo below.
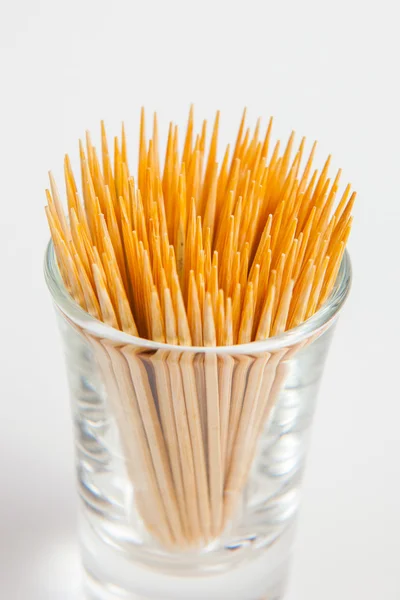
[{"x": 323, "y": 318}]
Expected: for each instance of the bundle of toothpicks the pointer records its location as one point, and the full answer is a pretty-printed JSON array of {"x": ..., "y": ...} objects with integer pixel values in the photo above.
[{"x": 195, "y": 252}]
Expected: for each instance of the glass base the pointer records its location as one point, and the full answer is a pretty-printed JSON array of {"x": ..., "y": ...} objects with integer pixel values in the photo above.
[
  {"x": 113, "y": 575},
  {"x": 100, "y": 590}
]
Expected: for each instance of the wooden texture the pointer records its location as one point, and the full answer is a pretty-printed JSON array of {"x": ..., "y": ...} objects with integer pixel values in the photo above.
[{"x": 194, "y": 252}]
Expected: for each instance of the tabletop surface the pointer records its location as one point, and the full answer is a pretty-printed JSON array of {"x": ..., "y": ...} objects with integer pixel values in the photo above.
[{"x": 328, "y": 73}]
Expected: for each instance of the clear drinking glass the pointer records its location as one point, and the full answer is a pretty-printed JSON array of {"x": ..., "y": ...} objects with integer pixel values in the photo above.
[{"x": 189, "y": 460}]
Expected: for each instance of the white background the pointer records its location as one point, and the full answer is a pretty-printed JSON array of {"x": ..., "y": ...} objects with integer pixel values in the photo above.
[{"x": 329, "y": 70}]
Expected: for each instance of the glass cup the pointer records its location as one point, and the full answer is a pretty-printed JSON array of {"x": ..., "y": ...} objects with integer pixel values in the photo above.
[{"x": 189, "y": 460}]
